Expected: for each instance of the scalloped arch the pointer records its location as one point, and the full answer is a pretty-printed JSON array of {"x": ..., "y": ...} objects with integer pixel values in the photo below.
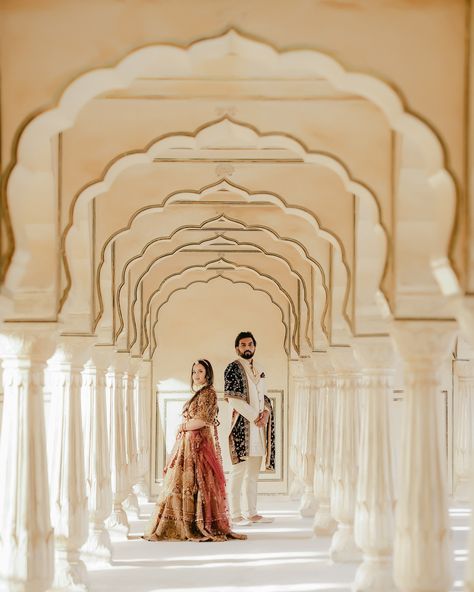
[
  {"x": 180, "y": 248},
  {"x": 236, "y": 268},
  {"x": 31, "y": 170},
  {"x": 235, "y": 282},
  {"x": 252, "y": 137}
]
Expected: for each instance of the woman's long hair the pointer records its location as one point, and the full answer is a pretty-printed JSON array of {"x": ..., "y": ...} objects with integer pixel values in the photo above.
[
  {"x": 209, "y": 380},
  {"x": 209, "y": 373}
]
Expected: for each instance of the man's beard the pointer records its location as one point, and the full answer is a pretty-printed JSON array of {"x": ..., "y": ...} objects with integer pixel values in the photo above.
[{"x": 247, "y": 355}]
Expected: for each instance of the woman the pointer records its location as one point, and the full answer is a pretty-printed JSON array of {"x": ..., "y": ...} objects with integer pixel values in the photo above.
[{"x": 193, "y": 503}]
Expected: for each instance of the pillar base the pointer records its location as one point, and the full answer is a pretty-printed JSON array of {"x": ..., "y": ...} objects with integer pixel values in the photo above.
[
  {"x": 296, "y": 490},
  {"x": 117, "y": 523},
  {"x": 308, "y": 505},
  {"x": 343, "y": 548},
  {"x": 70, "y": 572},
  {"x": 142, "y": 489},
  {"x": 98, "y": 547},
  {"x": 324, "y": 524},
  {"x": 131, "y": 505},
  {"x": 374, "y": 575}
]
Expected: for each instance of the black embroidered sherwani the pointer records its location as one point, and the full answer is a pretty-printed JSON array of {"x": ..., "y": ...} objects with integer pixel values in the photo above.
[{"x": 236, "y": 387}]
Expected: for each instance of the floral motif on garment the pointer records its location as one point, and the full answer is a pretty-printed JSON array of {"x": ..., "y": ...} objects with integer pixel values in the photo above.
[
  {"x": 192, "y": 505},
  {"x": 236, "y": 386}
]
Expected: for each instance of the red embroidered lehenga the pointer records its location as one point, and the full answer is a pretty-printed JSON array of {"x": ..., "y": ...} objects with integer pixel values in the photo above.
[{"x": 193, "y": 504}]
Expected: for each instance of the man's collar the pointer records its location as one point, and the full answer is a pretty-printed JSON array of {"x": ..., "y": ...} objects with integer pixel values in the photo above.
[{"x": 245, "y": 361}]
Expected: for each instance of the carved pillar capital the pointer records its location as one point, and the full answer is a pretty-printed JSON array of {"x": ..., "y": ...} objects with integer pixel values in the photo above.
[
  {"x": 35, "y": 341},
  {"x": 424, "y": 344},
  {"x": 343, "y": 359},
  {"x": 71, "y": 351},
  {"x": 377, "y": 353},
  {"x": 102, "y": 356},
  {"x": 297, "y": 369},
  {"x": 464, "y": 369}
]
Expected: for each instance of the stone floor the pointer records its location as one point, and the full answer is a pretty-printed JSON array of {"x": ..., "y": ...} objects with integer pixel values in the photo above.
[{"x": 278, "y": 557}]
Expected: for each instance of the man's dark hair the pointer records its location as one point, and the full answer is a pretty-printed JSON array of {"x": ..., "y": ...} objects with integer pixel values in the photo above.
[{"x": 244, "y": 335}]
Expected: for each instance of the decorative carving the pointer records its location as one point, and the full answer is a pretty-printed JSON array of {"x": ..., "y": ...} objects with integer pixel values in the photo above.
[
  {"x": 117, "y": 522},
  {"x": 27, "y": 553},
  {"x": 324, "y": 523},
  {"x": 463, "y": 426},
  {"x": 130, "y": 442},
  {"x": 344, "y": 477},
  {"x": 66, "y": 474},
  {"x": 297, "y": 373},
  {"x": 422, "y": 557},
  {"x": 142, "y": 407},
  {"x": 373, "y": 525},
  {"x": 228, "y": 110},
  {"x": 224, "y": 169},
  {"x": 97, "y": 463}
]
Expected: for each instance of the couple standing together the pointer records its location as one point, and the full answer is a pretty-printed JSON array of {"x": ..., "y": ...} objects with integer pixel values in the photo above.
[{"x": 193, "y": 503}]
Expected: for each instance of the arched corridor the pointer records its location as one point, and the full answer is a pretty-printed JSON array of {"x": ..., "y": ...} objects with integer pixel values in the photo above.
[{"x": 176, "y": 172}]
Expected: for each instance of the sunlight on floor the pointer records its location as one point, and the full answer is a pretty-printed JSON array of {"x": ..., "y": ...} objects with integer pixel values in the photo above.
[{"x": 279, "y": 557}]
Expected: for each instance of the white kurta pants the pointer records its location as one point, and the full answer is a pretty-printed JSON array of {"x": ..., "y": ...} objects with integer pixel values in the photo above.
[{"x": 247, "y": 470}]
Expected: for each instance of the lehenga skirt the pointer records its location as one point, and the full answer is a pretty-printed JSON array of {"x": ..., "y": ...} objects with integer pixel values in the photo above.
[{"x": 193, "y": 504}]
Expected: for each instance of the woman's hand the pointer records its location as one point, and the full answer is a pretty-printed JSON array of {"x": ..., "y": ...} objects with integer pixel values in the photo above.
[{"x": 194, "y": 424}]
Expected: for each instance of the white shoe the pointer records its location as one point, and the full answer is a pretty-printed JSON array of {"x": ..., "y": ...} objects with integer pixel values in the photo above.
[
  {"x": 257, "y": 519},
  {"x": 241, "y": 521}
]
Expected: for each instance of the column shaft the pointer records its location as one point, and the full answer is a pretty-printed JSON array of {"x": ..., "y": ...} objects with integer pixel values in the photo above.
[
  {"x": 26, "y": 543},
  {"x": 97, "y": 463},
  {"x": 344, "y": 477},
  {"x": 324, "y": 523}
]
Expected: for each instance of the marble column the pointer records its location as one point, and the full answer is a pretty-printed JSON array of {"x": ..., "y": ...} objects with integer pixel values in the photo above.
[
  {"x": 464, "y": 307},
  {"x": 26, "y": 543},
  {"x": 463, "y": 427},
  {"x": 422, "y": 551},
  {"x": 297, "y": 376},
  {"x": 324, "y": 523},
  {"x": 308, "y": 439},
  {"x": 98, "y": 547},
  {"x": 117, "y": 523},
  {"x": 131, "y": 449},
  {"x": 143, "y": 421},
  {"x": 373, "y": 524},
  {"x": 66, "y": 463},
  {"x": 345, "y": 465}
]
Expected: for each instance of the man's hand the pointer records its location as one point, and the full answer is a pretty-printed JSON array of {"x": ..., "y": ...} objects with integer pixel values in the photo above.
[{"x": 262, "y": 418}]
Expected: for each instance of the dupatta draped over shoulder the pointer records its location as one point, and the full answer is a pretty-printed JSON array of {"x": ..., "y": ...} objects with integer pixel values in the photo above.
[{"x": 236, "y": 387}]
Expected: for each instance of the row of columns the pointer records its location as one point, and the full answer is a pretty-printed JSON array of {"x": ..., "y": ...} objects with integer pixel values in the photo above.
[
  {"x": 347, "y": 390},
  {"x": 56, "y": 494}
]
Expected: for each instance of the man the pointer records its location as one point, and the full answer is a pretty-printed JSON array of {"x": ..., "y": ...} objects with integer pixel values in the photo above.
[{"x": 252, "y": 437}]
